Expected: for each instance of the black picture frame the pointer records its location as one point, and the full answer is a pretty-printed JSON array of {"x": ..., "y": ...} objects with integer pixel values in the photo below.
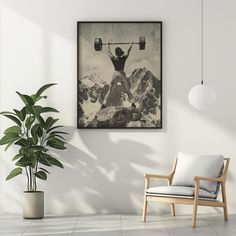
[{"x": 79, "y": 126}]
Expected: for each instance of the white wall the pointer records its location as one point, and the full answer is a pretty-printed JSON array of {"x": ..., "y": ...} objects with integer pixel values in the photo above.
[{"x": 104, "y": 168}]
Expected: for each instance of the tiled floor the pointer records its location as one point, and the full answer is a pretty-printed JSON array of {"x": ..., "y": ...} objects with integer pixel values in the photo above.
[{"x": 117, "y": 225}]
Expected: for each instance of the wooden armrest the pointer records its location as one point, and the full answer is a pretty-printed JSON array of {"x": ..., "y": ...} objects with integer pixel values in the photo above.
[
  {"x": 157, "y": 176},
  {"x": 198, "y": 178}
]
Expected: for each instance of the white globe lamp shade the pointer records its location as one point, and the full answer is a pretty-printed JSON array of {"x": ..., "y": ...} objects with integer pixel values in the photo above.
[{"x": 201, "y": 97}]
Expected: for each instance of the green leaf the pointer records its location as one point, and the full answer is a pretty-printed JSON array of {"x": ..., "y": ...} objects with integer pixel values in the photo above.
[
  {"x": 58, "y": 136},
  {"x": 19, "y": 114},
  {"x": 40, "y": 132},
  {"x": 23, "y": 162},
  {"x": 13, "y": 118},
  {"x": 56, "y": 143},
  {"x": 28, "y": 101},
  {"x": 49, "y": 109},
  {"x": 31, "y": 142},
  {"x": 35, "y": 139},
  {"x": 55, "y": 162},
  {"x": 29, "y": 121},
  {"x": 41, "y": 120},
  {"x": 8, "y": 145},
  {"x": 41, "y": 97},
  {"x": 41, "y": 175},
  {"x": 43, "y": 160},
  {"x": 16, "y": 157},
  {"x": 13, "y": 129},
  {"x": 30, "y": 110},
  {"x": 43, "y": 88},
  {"x": 9, "y": 138},
  {"x": 50, "y": 122},
  {"x": 37, "y": 98},
  {"x": 39, "y": 149},
  {"x": 22, "y": 142},
  {"x": 58, "y": 132},
  {"x": 44, "y": 170},
  {"x": 23, "y": 112},
  {"x": 37, "y": 110},
  {"x": 14, "y": 173},
  {"x": 7, "y": 113},
  {"x": 34, "y": 129},
  {"x": 55, "y": 127},
  {"x": 29, "y": 154},
  {"x": 21, "y": 151}
]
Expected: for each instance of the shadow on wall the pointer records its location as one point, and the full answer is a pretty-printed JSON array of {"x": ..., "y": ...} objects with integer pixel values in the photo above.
[
  {"x": 96, "y": 183},
  {"x": 98, "y": 180}
]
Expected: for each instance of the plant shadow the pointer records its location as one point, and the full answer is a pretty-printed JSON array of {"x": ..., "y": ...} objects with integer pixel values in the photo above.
[{"x": 103, "y": 179}]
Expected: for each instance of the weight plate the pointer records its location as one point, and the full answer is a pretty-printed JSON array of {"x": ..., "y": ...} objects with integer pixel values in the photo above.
[
  {"x": 142, "y": 43},
  {"x": 98, "y": 44}
]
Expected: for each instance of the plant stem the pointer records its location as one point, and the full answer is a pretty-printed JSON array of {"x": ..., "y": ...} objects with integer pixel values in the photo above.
[
  {"x": 32, "y": 174},
  {"x": 27, "y": 178},
  {"x": 36, "y": 170},
  {"x": 30, "y": 171}
]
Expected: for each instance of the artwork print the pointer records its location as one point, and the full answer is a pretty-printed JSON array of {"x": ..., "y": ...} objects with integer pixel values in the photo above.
[{"x": 119, "y": 75}]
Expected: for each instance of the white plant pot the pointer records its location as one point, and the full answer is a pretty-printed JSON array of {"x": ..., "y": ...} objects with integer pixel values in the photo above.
[{"x": 33, "y": 205}]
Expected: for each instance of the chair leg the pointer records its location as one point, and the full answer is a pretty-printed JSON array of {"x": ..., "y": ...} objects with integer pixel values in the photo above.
[
  {"x": 225, "y": 201},
  {"x": 194, "y": 220},
  {"x": 195, "y": 204},
  {"x": 145, "y": 204},
  {"x": 172, "y": 205}
]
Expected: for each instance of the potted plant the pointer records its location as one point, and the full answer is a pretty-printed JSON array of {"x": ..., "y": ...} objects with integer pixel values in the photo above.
[{"x": 35, "y": 133}]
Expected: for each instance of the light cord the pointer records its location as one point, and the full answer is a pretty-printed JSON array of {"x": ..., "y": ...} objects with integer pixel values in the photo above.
[{"x": 201, "y": 41}]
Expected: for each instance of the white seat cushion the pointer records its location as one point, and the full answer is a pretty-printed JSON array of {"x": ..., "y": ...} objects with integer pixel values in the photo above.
[
  {"x": 189, "y": 166},
  {"x": 178, "y": 191}
]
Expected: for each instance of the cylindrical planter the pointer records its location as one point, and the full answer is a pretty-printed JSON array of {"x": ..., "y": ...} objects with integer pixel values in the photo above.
[{"x": 33, "y": 205}]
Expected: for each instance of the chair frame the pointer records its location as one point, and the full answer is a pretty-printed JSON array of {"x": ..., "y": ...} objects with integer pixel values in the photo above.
[{"x": 195, "y": 201}]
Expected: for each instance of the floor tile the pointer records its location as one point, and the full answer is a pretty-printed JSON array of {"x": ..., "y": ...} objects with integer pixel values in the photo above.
[
  {"x": 182, "y": 225},
  {"x": 98, "y": 225},
  {"x": 13, "y": 225},
  {"x": 134, "y": 222},
  {"x": 133, "y": 225},
  {"x": 118, "y": 225},
  {"x": 98, "y": 233},
  {"x": 49, "y": 234},
  {"x": 52, "y": 225},
  {"x": 144, "y": 232},
  {"x": 62, "y": 228}
]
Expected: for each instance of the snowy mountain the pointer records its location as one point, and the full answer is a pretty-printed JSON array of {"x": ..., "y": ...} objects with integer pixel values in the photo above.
[{"x": 119, "y": 110}]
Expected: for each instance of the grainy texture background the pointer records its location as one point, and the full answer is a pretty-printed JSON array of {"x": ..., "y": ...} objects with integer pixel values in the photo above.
[
  {"x": 99, "y": 62},
  {"x": 96, "y": 80}
]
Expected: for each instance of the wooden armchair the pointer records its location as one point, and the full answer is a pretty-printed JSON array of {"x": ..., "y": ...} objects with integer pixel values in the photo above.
[{"x": 198, "y": 196}]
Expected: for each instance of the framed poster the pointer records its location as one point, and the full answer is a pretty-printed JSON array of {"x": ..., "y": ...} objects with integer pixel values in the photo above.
[{"x": 119, "y": 75}]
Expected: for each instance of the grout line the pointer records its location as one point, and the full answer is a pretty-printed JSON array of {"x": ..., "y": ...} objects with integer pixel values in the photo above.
[
  {"x": 75, "y": 225},
  {"x": 27, "y": 228}
]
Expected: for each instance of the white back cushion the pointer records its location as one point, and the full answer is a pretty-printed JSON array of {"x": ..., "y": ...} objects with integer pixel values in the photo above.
[{"x": 188, "y": 166}]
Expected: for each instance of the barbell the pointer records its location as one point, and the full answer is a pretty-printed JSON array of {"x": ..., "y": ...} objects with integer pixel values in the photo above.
[{"x": 98, "y": 43}]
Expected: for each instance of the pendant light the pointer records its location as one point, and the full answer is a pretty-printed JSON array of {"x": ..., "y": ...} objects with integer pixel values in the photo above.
[{"x": 201, "y": 96}]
